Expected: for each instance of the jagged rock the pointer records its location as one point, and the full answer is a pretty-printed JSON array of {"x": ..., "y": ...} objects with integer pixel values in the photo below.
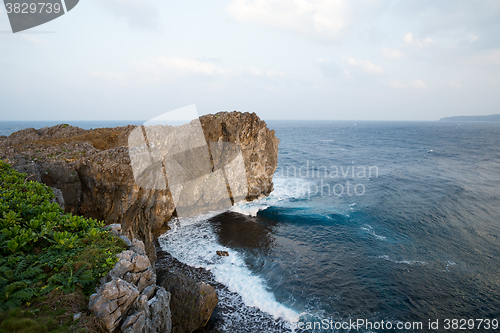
[
  {"x": 150, "y": 316},
  {"x": 147, "y": 310},
  {"x": 134, "y": 323},
  {"x": 192, "y": 302},
  {"x": 259, "y": 146},
  {"x": 149, "y": 291},
  {"x": 112, "y": 302},
  {"x": 142, "y": 279},
  {"x": 159, "y": 320},
  {"x": 116, "y": 229},
  {"x": 58, "y": 197},
  {"x": 138, "y": 246},
  {"x": 126, "y": 240},
  {"x": 133, "y": 267},
  {"x": 222, "y": 253}
]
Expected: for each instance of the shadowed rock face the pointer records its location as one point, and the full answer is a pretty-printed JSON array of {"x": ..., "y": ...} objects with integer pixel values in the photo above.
[{"x": 92, "y": 169}]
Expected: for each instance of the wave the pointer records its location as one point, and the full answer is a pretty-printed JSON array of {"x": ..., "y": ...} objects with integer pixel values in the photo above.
[
  {"x": 369, "y": 230},
  {"x": 407, "y": 262},
  {"x": 285, "y": 189},
  {"x": 193, "y": 242}
]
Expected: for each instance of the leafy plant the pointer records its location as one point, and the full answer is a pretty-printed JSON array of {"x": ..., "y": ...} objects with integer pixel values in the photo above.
[{"x": 42, "y": 248}]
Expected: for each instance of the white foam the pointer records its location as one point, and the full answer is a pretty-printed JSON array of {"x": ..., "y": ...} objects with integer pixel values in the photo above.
[
  {"x": 193, "y": 242},
  {"x": 249, "y": 208},
  {"x": 369, "y": 230},
  {"x": 407, "y": 262},
  {"x": 285, "y": 188}
]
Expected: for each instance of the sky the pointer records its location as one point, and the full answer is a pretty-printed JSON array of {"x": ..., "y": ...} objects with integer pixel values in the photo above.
[{"x": 282, "y": 59}]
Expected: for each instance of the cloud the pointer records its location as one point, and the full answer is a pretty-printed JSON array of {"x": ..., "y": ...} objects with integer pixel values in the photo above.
[
  {"x": 32, "y": 39},
  {"x": 396, "y": 84},
  {"x": 328, "y": 68},
  {"x": 391, "y": 53},
  {"x": 420, "y": 43},
  {"x": 418, "y": 84},
  {"x": 455, "y": 85},
  {"x": 116, "y": 77},
  {"x": 364, "y": 66},
  {"x": 317, "y": 19},
  {"x": 179, "y": 66},
  {"x": 484, "y": 58},
  {"x": 139, "y": 14},
  {"x": 161, "y": 69},
  {"x": 255, "y": 72}
]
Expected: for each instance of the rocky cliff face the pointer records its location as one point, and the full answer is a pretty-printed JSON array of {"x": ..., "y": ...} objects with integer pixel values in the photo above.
[{"x": 91, "y": 168}]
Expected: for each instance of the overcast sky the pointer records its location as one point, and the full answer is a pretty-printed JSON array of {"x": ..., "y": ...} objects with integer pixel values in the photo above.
[{"x": 283, "y": 59}]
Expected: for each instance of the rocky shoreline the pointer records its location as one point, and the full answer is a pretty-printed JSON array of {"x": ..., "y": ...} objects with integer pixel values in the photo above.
[{"x": 90, "y": 173}]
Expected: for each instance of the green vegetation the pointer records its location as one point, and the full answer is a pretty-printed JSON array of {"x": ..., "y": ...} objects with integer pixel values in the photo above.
[{"x": 45, "y": 252}]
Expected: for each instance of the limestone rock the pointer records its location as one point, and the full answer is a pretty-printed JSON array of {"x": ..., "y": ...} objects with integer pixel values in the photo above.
[
  {"x": 58, "y": 197},
  {"x": 192, "y": 301},
  {"x": 134, "y": 268},
  {"x": 112, "y": 302},
  {"x": 259, "y": 146},
  {"x": 150, "y": 315},
  {"x": 159, "y": 320}
]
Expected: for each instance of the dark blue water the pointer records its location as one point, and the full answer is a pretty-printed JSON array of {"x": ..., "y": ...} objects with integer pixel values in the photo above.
[{"x": 421, "y": 243}]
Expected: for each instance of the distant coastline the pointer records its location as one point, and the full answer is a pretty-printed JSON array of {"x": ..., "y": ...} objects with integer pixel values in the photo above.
[{"x": 493, "y": 117}]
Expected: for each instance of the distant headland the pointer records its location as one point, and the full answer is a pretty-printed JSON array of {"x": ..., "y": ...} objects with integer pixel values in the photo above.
[{"x": 493, "y": 117}]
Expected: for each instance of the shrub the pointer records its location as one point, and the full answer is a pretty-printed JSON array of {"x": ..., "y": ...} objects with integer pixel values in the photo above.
[{"x": 43, "y": 249}]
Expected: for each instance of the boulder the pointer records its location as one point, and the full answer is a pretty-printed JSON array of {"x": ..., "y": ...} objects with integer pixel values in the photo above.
[
  {"x": 112, "y": 302},
  {"x": 192, "y": 301},
  {"x": 146, "y": 308}
]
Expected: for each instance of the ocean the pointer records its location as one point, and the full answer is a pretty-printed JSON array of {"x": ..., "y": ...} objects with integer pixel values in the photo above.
[{"x": 392, "y": 226}]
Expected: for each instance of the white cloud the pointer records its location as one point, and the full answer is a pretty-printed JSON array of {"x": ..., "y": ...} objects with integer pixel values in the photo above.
[
  {"x": 179, "y": 66},
  {"x": 318, "y": 19},
  {"x": 396, "y": 84},
  {"x": 418, "y": 42},
  {"x": 455, "y": 85},
  {"x": 484, "y": 58},
  {"x": 116, "y": 77},
  {"x": 170, "y": 68},
  {"x": 328, "y": 68},
  {"x": 141, "y": 14},
  {"x": 32, "y": 39},
  {"x": 391, "y": 53},
  {"x": 364, "y": 66},
  {"x": 261, "y": 73},
  {"x": 418, "y": 84}
]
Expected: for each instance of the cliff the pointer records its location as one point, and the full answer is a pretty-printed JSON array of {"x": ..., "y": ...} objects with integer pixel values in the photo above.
[{"x": 91, "y": 173}]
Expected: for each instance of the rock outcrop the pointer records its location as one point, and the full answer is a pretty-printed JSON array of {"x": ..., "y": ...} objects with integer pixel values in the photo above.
[{"x": 129, "y": 299}]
